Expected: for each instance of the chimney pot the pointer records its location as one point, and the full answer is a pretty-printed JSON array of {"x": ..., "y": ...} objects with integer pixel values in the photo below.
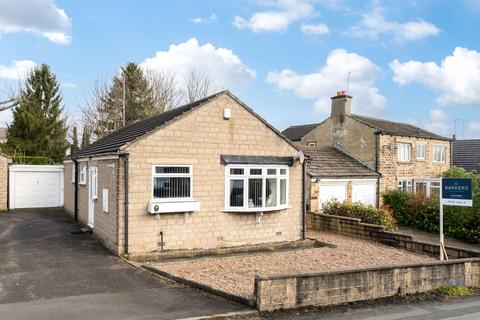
[{"x": 341, "y": 105}]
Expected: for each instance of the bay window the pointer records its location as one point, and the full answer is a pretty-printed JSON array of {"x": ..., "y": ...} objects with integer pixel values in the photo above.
[
  {"x": 172, "y": 182},
  {"x": 256, "y": 188}
]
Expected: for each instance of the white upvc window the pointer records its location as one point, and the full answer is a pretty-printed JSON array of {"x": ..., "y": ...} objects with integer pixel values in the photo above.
[
  {"x": 420, "y": 147},
  {"x": 405, "y": 185},
  {"x": 256, "y": 188},
  {"x": 94, "y": 182},
  {"x": 172, "y": 182},
  {"x": 404, "y": 151},
  {"x": 311, "y": 143},
  {"x": 439, "y": 153},
  {"x": 83, "y": 174},
  {"x": 73, "y": 172}
]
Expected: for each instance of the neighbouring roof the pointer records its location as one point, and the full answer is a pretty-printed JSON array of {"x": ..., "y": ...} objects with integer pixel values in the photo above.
[
  {"x": 296, "y": 133},
  {"x": 117, "y": 139},
  {"x": 330, "y": 162},
  {"x": 397, "y": 128},
  {"x": 3, "y": 133},
  {"x": 466, "y": 154}
]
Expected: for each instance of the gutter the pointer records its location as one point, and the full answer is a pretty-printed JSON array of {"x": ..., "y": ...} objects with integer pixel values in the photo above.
[{"x": 125, "y": 203}]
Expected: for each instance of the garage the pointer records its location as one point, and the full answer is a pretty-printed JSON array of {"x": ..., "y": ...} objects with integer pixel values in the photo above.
[
  {"x": 365, "y": 191},
  {"x": 336, "y": 175},
  {"x": 332, "y": 190},
  {"x": 35, "y": 186}
]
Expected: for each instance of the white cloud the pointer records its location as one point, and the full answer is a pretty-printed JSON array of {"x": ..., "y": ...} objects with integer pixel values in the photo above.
[
  {"x": 473, "y": 130},
  {"x": 17, "y": 70},
  {"x": 5, "y": 117},
  {"x": 438, "y": 122},
  {"x": 284, "y": 12},
  {"x": 325, "y": 82},
  {"x": 374, "y": 24},
  {"x": 315, "y": 29},
  {"x": 456, "y": 79},
  {"x": 220, "y": 64},
  {"x": 69, "y": 85},
  {"x": 40, "y": 17},
  {"x": 212, "y": 19}
]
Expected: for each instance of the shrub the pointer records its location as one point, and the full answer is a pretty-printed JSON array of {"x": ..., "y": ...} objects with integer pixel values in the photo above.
[
  {"x": 455, "y": 291},
  {"x": 367, "y": 214},
  {"x": 423, "y": 213},
  {"x": 30, "y": 160}
]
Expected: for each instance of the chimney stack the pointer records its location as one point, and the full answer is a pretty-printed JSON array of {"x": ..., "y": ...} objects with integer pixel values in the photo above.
[{"x": 341, "y": 105}]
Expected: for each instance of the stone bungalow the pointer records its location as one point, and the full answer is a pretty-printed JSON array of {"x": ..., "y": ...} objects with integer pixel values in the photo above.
[
  {"x": 208, "y": 174},
  {"x": 407, "y": 157}
]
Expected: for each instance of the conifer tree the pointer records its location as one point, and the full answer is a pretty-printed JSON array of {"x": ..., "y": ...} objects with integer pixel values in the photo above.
[
  {"x": 85, "y": 137},
  {"x": 38, "y": 127},
  {"x": 75, "y": 138}
]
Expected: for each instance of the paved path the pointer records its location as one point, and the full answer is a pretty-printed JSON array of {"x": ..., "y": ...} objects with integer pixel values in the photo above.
[
  {"x": 423, "y": 236},
  {"x": 48, "y": 273}
]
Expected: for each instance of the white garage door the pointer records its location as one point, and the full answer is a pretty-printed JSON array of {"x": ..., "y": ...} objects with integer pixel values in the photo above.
[
  {"x": 332, "y": 190},
  {"x": 35, "y": 186},
  {"x": 365, "y": 192}
]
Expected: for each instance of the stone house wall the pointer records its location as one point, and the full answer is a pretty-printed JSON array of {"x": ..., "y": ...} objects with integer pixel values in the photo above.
[{"x": 4, "y": 162}]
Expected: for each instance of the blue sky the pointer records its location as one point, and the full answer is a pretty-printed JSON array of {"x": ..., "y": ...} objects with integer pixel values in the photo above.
[{"x": 412, "y": 61}]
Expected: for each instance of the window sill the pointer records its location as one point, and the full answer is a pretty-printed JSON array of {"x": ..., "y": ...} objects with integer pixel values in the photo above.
[
  {"x": 255, "y": 210},
  {"x": 155, "y": 206},
  {"x": 404, "y": 162}
]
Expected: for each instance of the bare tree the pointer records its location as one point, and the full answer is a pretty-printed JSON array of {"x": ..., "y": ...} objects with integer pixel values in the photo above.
[
  {"x": 165, "y": 91},
  {"x": 197, "y": 85},
  {"x": 11, "y": 97}
]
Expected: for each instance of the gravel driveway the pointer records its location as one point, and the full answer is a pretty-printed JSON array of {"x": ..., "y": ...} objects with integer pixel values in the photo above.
[{"x": 236, "y": 274}]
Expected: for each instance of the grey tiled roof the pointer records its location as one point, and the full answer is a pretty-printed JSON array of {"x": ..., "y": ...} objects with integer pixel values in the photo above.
[
  {"x": 466, "y": 154},
  {"x": 329, "y": 162},
  {"x": 397, "y": 128},
  {"x": 295, "y": 133},
  {"x": 115, "y": 140}
]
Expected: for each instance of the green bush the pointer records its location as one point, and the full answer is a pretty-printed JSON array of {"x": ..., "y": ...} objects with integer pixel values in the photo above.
[
  {"x": 423, "y": 213},
  {"x": 367, "y": 214},
  {"x": 30, "y": 160}
]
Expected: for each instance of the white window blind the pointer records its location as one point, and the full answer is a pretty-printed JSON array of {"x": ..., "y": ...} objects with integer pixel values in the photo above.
[
  {"x": 105, "y": 200},
  {"x": 420, "y": 151},
  {"x": 172, "y": 182},
  {"x": 439, "y": 153},
  {"x": 403, "y": 151}
]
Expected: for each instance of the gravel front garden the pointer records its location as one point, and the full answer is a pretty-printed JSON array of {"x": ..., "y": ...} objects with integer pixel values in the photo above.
[{"x": 236, "y": 274}]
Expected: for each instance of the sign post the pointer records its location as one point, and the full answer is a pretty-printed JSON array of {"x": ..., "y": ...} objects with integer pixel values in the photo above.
[{"x": 453, "y": 192}]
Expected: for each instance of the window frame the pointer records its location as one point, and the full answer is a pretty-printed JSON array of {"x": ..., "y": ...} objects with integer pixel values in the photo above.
[
  {"x": 444, "y": 148},
  {"x": 311, "y": 143},
  {"x": 105, "y": 200},
  {"x": 172, "y": 175},
  {"x": 424, "y": 151},
  {"x": 83, "y": 175},
  {"x": 73, "y": 178},
  {"x": 409, "y": 183},
  {"x": 264, "y": 176},
  {"x": 94, "y": 180},
  {"x": 409, "y": 152}
]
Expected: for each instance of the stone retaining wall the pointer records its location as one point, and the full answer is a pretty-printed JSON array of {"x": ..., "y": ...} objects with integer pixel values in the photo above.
[
  {"x": 327, "y": 288},
  {"x": 353, "y": 227}
]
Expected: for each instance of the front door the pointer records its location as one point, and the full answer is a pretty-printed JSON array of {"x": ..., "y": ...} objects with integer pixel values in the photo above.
[{"x": 92, "y": 195}]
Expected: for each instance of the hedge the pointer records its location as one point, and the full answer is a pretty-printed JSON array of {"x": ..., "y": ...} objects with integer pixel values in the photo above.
[
  {"x": 367, "y": 214},
  {"x": 30, "y": 160},
  {"x": 423, "y": 213}
]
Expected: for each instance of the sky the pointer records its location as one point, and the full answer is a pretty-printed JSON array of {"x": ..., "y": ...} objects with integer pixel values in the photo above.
[{"x": 408, "y": 61}]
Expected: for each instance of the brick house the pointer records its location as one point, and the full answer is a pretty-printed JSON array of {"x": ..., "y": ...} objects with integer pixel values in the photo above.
[
  {"x": 4, "y": 163},
  {"x": 406, "y": 156},
  {"x": 208, "y": 174}
]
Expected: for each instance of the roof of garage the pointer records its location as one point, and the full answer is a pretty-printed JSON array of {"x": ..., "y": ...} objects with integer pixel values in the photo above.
[{"x": 330, "y": 162}]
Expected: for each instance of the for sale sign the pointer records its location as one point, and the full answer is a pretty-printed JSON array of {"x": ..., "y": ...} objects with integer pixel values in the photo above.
[{"x": 456, "y": 192}]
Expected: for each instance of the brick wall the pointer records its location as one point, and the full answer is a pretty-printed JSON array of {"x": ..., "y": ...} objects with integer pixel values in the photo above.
[
  {"x": 69, "y": 188},
  {"x": 4, "y": 161},
  {"x": 327, "y": 288},
  {"x": 105, "y": 224},
  {"x": 392, "y": 170},
  {"x": 198, "y": 140}
]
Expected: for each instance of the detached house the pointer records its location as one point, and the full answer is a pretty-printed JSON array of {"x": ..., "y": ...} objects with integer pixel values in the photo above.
[
  {"x": 407, "y": 157},
  {"x": 208, "y": 174}
]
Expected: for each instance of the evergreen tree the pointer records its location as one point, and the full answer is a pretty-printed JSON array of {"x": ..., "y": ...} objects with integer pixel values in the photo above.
[
  {"x": 139, "y": 101},
  {"x": 38, "y": 127},
  {"x": 75, "y": 138},
  {"x": 85, "y": 137}
]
